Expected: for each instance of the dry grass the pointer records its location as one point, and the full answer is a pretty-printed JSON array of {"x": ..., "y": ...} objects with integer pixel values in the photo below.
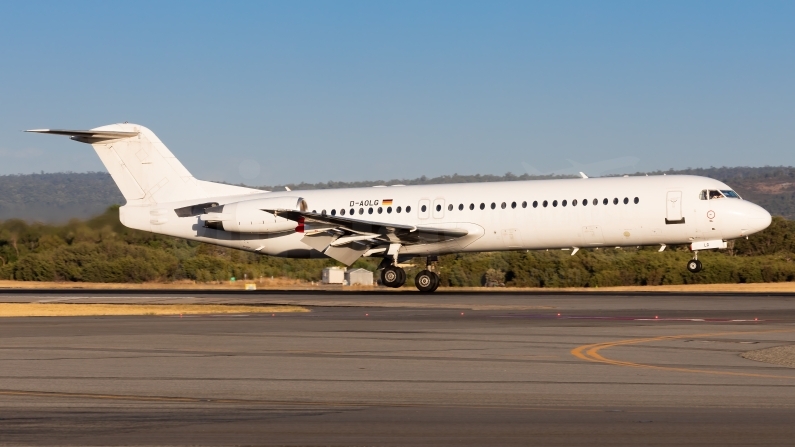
[
  {"x": 77, "y": 310},
  {"x": 292, "y": 284}
]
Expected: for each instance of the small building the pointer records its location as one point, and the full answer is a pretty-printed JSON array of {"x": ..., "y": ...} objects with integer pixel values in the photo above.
[
  {"x": 333, "y": 275},
  {"x": 358, "y": 277}
]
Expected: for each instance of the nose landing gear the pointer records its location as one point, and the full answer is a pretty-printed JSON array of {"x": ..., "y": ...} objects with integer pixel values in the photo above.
[{"x": 694, "y": 265}]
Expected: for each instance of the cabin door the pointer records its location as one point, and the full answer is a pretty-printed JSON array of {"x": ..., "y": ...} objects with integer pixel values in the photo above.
[{"x": 673, "y": 212}]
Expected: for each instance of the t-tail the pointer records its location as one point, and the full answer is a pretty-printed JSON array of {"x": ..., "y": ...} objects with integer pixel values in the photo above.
[{"x": 143, "y": 168}]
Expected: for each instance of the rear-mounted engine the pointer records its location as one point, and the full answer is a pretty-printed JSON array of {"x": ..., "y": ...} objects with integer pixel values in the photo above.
[{"x": 248, "y": 216}]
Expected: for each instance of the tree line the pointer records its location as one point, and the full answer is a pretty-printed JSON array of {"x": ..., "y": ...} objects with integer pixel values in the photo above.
[{"x": 102, "y": 250}]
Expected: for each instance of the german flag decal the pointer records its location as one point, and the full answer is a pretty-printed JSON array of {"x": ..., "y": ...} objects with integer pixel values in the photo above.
[{"x": 386, "y": 202}]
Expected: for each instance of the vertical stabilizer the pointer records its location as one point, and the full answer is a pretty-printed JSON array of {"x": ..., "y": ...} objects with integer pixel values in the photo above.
[{"x": 143, "y": 168}]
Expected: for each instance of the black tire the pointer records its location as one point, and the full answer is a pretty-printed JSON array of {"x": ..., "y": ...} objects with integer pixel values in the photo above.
[
  {"x": 426, "y": 281},
  {"x": 436, "y": 281},
  {"x": 393, "y": 276},
  {"x": 694, "y": 266},
  {"x": 402, "y": 277}
]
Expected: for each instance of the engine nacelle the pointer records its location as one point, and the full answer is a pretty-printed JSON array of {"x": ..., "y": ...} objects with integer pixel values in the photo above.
[{"x": 248, "y": 217}]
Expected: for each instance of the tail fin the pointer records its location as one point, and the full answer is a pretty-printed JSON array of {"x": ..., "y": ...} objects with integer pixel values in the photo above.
[{"x": 142, "y": 166}]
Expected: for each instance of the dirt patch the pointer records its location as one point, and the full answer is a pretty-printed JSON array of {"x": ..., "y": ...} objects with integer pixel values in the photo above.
[
  {"x": 775, "y": 188},
  {"x": 779, "y": 355},
  {"x": 84, "y": 310}
]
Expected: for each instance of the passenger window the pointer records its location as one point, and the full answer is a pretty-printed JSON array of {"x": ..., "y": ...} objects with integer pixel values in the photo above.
[
  {"x": 361, "y": 210},
  {"x": 389, "y": 210},
  {"x": 424, "y": 208},
  {"x": 615, "y": 201},
  {"x": 369, "y": 211},
  {"x": 605, "y": 201},
  {"x": 380, "y": 210},
  {"x": 503, "y": 205},
  {"x": 524, "y": 204},
  {"x": 342, "y": 212},
  {"x": 564, "y": 203},
  {"x": 438, "y": 208},
  {"x": 535, "y": 203},
  {"x": 450, "y": 207},
  {"x": 545, "y": 203},
  {"x": 471, "y": 206},
  {"x": 323, "y": 213},
  {"x": 585, "y": 202},
  {"x": 626, "y": 200},
  {"x": 353, "y": 211},
  {"x": 397, "y": 209},
  {"x": 513, "y": 204},
  {"x": 408, "y": 209},
  {"x": 461, "y": 207},
  {"x": 555, "y": 203},
  {"x": 493, "y": 205},
  {"x": 574, "y": 202},
  {"x": 483, "y": 206},
  {"x": 333, "y": 212},
  {"x": 636, "y": 200},
  {"x": 596, "y": 202}
]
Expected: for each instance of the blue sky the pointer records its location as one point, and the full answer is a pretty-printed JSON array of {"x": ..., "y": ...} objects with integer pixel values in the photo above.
[{"x": 268, "y": 93}]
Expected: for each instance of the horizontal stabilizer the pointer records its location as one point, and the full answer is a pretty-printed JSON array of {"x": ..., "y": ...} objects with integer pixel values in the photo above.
[{"x": 87, "y": 136}]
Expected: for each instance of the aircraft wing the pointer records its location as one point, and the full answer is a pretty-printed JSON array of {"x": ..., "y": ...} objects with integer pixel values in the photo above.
[{"x": 346, "y": 239}]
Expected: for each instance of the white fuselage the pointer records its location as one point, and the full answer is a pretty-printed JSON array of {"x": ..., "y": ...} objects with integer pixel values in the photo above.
[{"x": 640, "y": 210}]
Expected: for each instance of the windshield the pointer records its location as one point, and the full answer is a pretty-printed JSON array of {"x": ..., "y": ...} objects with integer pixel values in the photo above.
[{"x": 730, "y": 194}]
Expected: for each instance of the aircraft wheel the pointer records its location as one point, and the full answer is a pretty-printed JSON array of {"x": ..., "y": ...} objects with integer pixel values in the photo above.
[
  {"x": 393, "y": 276},
  {"x": 402, "y": 277},
  {"x": 694, "y": 266},
  {"x": 426, "y": 281}
]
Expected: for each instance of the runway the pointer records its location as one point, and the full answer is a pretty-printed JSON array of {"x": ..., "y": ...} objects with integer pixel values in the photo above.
[{"x": 400, "y": 368}]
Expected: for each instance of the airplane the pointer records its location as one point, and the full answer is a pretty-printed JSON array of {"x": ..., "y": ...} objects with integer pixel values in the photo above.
[{"x": 396, "y": 223}]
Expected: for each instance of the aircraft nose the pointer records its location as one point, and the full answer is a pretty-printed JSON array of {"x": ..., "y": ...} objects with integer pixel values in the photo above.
[{"x": 758, "y": 219}]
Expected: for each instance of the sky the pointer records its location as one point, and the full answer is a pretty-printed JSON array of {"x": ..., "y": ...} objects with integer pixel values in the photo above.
[{"x": 268, "y": 93}]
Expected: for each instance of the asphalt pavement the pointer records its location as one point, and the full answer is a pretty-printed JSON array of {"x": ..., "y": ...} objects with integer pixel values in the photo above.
[{"x": 401, "y": 369}]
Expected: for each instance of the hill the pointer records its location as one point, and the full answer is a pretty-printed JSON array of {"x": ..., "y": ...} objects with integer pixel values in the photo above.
[{"x": 59, "y": 197}]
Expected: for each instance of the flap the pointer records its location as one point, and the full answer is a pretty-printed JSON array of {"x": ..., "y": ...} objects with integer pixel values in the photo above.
[{"x": 386, "y": 232}]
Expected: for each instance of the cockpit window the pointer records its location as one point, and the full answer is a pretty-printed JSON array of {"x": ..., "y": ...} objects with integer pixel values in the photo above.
[
  {"x": 715, "y": 194},
  {"x": 703, "y": 194},
  {"x": 730, "y": 194}
]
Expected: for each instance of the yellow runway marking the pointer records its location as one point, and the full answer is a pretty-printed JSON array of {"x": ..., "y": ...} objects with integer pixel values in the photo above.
[{"x": 591, "y": 353}]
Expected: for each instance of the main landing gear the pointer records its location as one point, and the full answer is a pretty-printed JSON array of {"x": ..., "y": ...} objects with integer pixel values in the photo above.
[
  {"x": 694, "y": 265},
  {"x": 426, "y": 280},
  {"x": 393, "y": 276}
]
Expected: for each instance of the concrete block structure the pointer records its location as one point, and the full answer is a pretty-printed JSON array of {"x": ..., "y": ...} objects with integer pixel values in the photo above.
[
  {"x": 359, "y": 277},
  {"x": 333, "y": 275}
]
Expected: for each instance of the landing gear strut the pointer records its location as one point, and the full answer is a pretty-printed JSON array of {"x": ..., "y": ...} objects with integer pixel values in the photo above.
[
  {"x": 427, "y": 280},
  {"x": 694, "y": 265},
  {"x": 393, "y": 276}
]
